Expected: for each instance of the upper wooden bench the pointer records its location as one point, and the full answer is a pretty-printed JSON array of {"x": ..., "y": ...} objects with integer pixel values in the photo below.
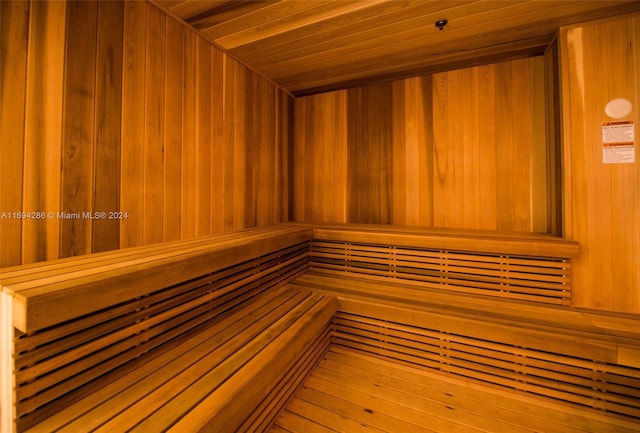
[
  {"x": 187, "y": 335},
  {"x": 525, "y": 266},
  {"x": 82, "y": 285}
]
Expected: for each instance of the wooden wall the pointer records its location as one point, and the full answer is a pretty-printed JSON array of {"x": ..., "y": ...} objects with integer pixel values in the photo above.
[
  {"x": 601, "y": 61},
  {"x": 462, "y": 149},
  {"x": 117, "y": 107}
]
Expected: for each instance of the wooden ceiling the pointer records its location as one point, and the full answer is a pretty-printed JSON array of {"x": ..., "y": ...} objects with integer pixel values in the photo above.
[{"x": 308, "y": 46}]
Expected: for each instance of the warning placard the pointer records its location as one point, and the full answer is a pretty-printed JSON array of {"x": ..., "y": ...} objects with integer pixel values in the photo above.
[{"x": 618, "y": 142}]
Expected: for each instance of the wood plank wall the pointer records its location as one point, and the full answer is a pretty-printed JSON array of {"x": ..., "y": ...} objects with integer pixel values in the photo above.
[
  {"x": 601, "y": 61},
  {"x": 116, "y": 107},
  {"x": 462, "y": 149}
]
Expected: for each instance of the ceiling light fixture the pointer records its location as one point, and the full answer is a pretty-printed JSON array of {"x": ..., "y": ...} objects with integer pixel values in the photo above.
[{"x": 441, "y": 23}]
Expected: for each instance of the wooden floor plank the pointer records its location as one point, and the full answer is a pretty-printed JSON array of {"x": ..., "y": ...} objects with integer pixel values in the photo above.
[
  {"x": 327, "y": 418},
  {"x": 417, "y": 409},
  {"x": 564, "y": 417},
  {"x": 292, "y": 422},
  {"x": 380, "y": 413},
  {"x": 354, "y": 391}
]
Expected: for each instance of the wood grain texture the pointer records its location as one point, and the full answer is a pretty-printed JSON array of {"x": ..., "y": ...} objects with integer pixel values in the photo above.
[
  {"x": 43, "y": 126},
  {"x": 154, "y": 118},
  {"x": 320, "y": 158},
  {"x": 108, "y": 115},
  {"x": 369, "y": 154},
  {"x": 174, "y": 54},
  {"x": 78, "y": 159},
  {"x": 602, "y": 203},
  {"x": 459, "y": 149},
  {"x": 163, "y": 132},
  {"x": 14, "y": 36},
  {"x": 133, "y": 88},
  {"x": 356, "y": 389},
  {"x": 323, "y": 45}
]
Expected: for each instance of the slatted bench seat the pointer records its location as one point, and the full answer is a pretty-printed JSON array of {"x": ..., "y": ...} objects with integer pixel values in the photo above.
[
  {"x": 453, "y": 319},
  {"x": 185, "y": 336}
]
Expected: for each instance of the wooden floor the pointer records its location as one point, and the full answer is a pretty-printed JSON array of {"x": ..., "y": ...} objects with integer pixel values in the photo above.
[{"x": 355, "y": 392}]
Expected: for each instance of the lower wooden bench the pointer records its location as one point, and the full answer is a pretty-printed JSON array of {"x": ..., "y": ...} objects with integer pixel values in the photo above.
[
  {"x": 214, "y": 379},
  {"x": 546, "y": 351},
  {"x": 148, "y": 337}
]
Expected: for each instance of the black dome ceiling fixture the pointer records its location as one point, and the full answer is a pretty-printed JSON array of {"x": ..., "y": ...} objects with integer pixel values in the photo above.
[{"x": 441, "y": 23}]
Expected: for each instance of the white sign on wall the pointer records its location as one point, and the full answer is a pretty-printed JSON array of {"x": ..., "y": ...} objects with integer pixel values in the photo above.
[{"x": 618, "y": 142}]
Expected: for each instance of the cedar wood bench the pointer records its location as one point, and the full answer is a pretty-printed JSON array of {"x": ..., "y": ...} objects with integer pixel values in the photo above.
[
  {"x": 216, "y": 333},
  {"x": 184, "y": 336}
]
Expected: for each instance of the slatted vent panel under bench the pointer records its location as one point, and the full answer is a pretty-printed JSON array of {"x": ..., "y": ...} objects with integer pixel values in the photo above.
[{"x": 543, "y": 279}]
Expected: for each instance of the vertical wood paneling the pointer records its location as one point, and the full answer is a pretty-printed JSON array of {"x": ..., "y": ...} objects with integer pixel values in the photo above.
[
  {"x": 370, "y": 156},
  {"x": 542, "y": 194},
  {"x": 286, "y": 138},
  {"x": 189, "y": 116},
  {"x": 133, "y": 120},
  {"x": 154, "y": 126},
  {"x": 147, "y": 119},
  {"x": 203, "y": 137},
  {"x": 440, "y": 147},
  {"x": 554, "y": 137},
  {"x": 43, "y": 130},
  {"x": 218, "y": 140},
  {"x": 624, "y": 53},
  {"x": 601, "y": 62},
  {"x": 321, "y": 152},
  {"x": 487, "y": 130},
  {"x": 242, "y": 183},
  {"x": 78, "y": 135},
  {"x": 108, "y": 114},
  {"x": 460, "y": 149},
  {"x": 505, "y": 139},
  {"x": 14, "y": 36},
  {"x": 228, "y": 206},
  {"x": 265, "y": 161},
  {"x": 174, "y": 55}
]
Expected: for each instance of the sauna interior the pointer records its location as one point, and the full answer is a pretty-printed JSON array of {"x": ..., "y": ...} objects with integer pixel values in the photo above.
[{"x": 320, "y": 216}]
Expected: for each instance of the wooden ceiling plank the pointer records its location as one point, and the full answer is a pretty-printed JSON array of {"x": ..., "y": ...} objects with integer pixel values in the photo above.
[
  {"x": 314, "y": 15},
  {"x": 371, "y": 67},
  {"x": 278, "y": 47},
  {"x": 188, "y": 8},
  {"x": 415, "y": 25},
  {"x": 271, "y": 11},
  {"x": 414, "y": 43},
  {"x": 391, "y": 39},
  {"x": 312, "y": 45},
  {"x": 225, "y": 20}
]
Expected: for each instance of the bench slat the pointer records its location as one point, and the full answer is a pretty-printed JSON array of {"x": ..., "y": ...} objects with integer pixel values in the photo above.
[{"x": 224, "y": 410}]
